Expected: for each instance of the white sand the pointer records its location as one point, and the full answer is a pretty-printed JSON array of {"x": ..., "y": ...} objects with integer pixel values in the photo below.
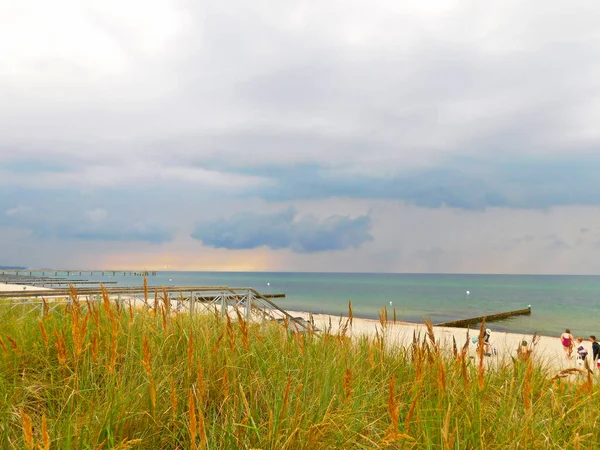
[
  {"x": 5, "y": 287},
  {"x": 548, "y": 350}
]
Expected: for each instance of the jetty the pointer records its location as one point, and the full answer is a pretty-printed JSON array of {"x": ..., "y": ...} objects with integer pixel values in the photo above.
[{"x": 466, "y": 323}]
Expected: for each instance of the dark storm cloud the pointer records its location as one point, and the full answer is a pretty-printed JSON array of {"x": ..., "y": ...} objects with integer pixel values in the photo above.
[{"x": 283, "y": 230}]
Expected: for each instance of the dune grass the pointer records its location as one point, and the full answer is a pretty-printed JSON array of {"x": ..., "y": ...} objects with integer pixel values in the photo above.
[{"x": 96, "y": 376}]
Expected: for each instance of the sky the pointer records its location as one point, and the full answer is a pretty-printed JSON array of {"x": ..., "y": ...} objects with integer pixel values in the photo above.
[{"x": 448, "y": 136}]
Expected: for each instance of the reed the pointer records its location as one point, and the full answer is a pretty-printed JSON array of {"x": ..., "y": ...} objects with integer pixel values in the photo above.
[{"x": 96, "y": 378}]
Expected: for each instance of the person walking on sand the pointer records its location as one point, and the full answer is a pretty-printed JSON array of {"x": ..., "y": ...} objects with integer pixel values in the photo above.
[
  {"x": 595, "y": 350},
  {"x": 486, "y": 342},
  {"x": 566, "y": 339},
  {"x": 581, "y": 352}
]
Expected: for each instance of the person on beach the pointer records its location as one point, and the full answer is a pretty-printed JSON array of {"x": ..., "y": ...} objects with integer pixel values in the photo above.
[
  {"x": 524, "y": 352},
  {"x": 566, "y": 339},
  {"x": 595, "y": 350},
  {"x": 581, "y": 351},
  {"x": 486, "y": 342}
]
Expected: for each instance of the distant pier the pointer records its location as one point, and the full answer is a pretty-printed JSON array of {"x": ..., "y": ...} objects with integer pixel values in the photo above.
[
  {"x": 465, "y": 323},
  {"x": 75, "y": 272}
]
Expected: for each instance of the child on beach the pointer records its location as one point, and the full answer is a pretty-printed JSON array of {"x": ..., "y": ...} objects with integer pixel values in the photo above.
[
  {"x": 566, "y": 339},
  {"x": 581, "y": 351}
]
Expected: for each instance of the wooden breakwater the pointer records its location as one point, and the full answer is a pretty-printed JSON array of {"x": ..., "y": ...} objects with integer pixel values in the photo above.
[{"x": 466, "y": 323}]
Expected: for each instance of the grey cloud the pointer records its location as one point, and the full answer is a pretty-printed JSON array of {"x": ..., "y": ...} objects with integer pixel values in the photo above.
[{"x": 283, "y": 230}]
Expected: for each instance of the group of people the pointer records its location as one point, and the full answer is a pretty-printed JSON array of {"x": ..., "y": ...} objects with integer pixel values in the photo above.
[{"x": 569, "y": 344}]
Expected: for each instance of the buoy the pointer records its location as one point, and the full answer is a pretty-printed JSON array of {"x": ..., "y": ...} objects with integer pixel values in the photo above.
[
  {"x": 170, "y": 279},
  {"x": 268, "y": 284},
  {"x": 468, "y": 292},
  {"x": 390, "y": 303}
]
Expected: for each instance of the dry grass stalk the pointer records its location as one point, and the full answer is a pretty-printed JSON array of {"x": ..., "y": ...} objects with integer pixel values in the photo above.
[
  {"x": 27, "y": 430},
  {"x": 441, "y": 379},
  {"x": 431, "y": 335},
  {"x": 3, "y": 345},
  {"x": 147, "y": 362},
  {"x": 286, "y": 395},
  {"x": 347, "y": 384},
  {"x": 155, "y": 300},
  {"x": 448, "y": 440},
  {"x": 350, "y": 315},
  {"x": 44, "y": 334},
  {"x": 200, "y": 384},
  {"x": 243, "y": 326},
  {"x": 106, "y": 301},
  {"x": 393, "y": 411},
  {"x": 411, "y": 410},
  {"x": 193, "y": 422},
  {"x": 78, "y": 331},
  {"x": 454, "y": 347},
  {"x": 163, "y": 314},
  {"x": 73, "y": 295},
  {"x": 202, "y": 428},
  {"x": 394, "y": 316},
  {"x": 566, "y": 372},
  {"x": 45, "y": 309},
  {"x": 61, "y": 348},
  {"x": 45, "y": 436},
  {"x": 95, "y": 347},
  {"x": 13, "y": 344},
  {"x": 481, "y": 354},
  {"x": 167, "y": 300}
]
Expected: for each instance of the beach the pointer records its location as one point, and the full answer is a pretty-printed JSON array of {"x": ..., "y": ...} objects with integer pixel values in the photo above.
[{"x": 547, "y": 351}]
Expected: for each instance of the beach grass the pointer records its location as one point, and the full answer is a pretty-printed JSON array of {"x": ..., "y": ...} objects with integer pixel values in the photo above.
[{"x": 101, "y": 376}]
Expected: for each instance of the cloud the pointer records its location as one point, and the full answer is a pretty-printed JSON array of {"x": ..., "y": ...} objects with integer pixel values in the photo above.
[{"x": 283, "y": 230}]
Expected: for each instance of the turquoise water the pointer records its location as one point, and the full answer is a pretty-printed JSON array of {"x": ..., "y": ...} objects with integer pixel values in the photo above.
[{"x": 557, "y": 302}]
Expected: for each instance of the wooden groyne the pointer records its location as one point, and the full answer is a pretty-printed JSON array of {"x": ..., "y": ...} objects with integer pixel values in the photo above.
[{"x": 466, "y": 323}]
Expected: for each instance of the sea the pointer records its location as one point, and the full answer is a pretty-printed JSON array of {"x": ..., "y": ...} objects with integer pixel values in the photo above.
[{"x": 557, "y": 301}]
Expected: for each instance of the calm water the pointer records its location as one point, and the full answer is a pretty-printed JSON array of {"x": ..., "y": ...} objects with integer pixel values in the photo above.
[{"x": 557, "y": 301}]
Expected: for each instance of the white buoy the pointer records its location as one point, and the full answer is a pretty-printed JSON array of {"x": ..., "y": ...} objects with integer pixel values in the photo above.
[
  {"x": 390, "y": 303},
  {"x": 268, "y": 284},
  {"x": 170, "y": 279},
  {"x": 468, "y": 292}
]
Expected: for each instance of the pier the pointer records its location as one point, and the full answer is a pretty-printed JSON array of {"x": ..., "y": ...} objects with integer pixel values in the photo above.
[
  {"x": 465, "y": 323},
  {"x": 243, "y": 301},
  {"x": 80, "y": 272}
]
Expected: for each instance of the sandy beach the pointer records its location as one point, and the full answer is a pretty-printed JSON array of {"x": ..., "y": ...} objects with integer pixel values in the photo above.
[
  {"x": 7, "y": 287},
  {"x": 548, "y": 350}
]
